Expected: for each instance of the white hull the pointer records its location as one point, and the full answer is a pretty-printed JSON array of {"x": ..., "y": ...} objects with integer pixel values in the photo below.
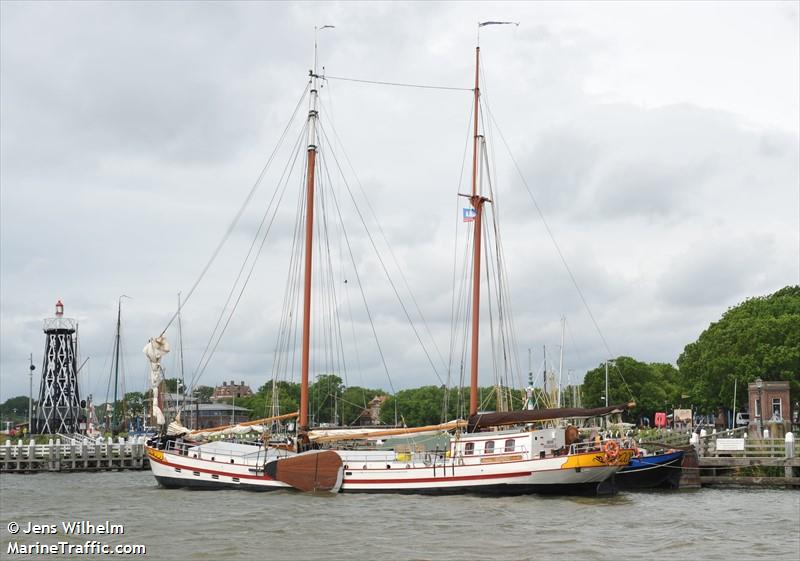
[
  {"x": 501, "y": 477},
  {"x": 234, "y": 466},
  {"x": 507, "y": 472}
]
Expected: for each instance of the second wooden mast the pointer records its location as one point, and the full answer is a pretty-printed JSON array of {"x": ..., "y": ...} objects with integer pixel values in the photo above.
[
  {"x": 477, "y": 203},
  {"x": 302, "y": 421}
]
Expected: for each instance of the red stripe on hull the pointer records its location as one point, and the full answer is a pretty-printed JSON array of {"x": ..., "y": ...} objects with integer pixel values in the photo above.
[{"x": 211, "y": 471}]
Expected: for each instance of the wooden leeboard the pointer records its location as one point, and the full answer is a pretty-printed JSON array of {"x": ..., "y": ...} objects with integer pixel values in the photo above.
[{"x": 317, "y": 470}]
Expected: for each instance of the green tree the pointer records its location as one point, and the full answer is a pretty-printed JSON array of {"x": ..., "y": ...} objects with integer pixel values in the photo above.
[
  {"x": 134, "y": 403},
  {"x": 203, "y": 393},
  {"x": 426, "y": 405},
  {"x": 171, "y": 385},
  {"x": 260, "y": 403},
  {"x": 654, "y": 386},
  {"x": 417, "y": 406},
  {"x": 15, "y": 409},
  {"x": 758, "y": 338},
  {"x": 323, "y": 398},
  {"x": 354, "y": 400}
]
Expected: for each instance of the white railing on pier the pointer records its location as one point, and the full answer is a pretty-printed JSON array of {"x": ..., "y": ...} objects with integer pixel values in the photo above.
[
  {"x": 736, "y": 443},
  {"x": 75, "y": 455}
]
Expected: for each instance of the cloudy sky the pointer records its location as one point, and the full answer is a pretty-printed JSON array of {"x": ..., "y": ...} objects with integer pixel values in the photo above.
[{"x": 659, "y": 140}]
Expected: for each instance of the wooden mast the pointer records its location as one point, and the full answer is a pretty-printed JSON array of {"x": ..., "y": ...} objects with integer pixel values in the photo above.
[
  {"x": 477, "y": 203},
  {"x": 302, "y": 421}
]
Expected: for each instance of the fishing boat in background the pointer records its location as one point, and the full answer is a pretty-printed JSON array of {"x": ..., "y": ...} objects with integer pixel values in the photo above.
[{"x": 519, "y": 452}]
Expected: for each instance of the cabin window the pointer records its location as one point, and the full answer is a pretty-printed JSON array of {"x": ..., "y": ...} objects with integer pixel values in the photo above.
[
  {"x": 488, "y": 448},
  {"x": 469, "y": 448},
  {"x": 510, "y": 445}
]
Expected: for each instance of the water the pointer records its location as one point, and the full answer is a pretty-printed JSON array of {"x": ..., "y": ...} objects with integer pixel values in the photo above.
[{"x": 730, "y": 524}]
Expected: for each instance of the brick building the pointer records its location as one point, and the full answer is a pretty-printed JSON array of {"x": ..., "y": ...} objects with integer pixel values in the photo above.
[
  {"x": 372, "y": 414},
  {"x": 769, "y": 400},
  {"x": 232, "y": 390}
]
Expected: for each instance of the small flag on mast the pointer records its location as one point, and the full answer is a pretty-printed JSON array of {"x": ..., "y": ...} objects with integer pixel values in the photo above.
[
  {"x": 484, "y": 23},
  {"x": 469, "y": 214}
]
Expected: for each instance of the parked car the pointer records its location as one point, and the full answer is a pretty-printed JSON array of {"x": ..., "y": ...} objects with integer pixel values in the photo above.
[{"x": 742, "y": 419}]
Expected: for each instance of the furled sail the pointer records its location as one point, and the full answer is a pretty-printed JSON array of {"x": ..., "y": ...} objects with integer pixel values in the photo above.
[
  {"x": 176, "y": 428},
  {"x": 155, "y": 349},
  {"x": 257, "y": 425},
  {"x": 482, "y": 420},
  {"x": 324, "y": 435}
]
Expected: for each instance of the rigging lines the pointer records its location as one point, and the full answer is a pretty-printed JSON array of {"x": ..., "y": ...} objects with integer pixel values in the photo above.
[
  {"x": 242, "y": 208},
  {"x": 398, "y": 84}
]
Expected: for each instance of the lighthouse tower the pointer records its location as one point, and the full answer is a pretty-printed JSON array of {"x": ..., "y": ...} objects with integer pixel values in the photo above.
[{"x": 59, "y": 408}]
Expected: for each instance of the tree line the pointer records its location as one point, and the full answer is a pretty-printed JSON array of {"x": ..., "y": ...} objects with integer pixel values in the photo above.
[{"x": 759, "y": 338}]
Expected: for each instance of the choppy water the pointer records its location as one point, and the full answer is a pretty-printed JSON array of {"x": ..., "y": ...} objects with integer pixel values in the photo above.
[{"x": 704, "y": 524}]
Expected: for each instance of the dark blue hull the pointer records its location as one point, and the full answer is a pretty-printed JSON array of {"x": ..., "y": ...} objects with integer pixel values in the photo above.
[{"x": 661, "y": 471}]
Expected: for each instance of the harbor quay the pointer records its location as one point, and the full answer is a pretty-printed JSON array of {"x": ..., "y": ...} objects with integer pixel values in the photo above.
[{"x": 74, "y": 455}]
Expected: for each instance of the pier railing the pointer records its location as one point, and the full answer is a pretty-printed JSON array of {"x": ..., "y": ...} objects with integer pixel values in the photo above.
[
  {"x": 743, "y": 447},
  {"x": 736, "y": 443},
  {"x": 722, "y": 456},
  {"x": 75, "y": 455}
]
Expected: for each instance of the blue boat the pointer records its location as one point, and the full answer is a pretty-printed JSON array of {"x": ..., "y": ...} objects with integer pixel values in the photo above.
[{"x": 659, "y": 471}]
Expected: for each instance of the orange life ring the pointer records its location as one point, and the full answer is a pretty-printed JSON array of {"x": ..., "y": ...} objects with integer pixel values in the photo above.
[{"x": 611, "y": 448}]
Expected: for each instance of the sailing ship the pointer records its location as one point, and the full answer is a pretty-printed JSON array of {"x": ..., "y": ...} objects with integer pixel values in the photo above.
[{"x": 529, "y": 451}]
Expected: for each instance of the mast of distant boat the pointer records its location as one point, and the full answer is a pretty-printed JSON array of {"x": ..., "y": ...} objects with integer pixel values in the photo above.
[
  {"x": 561, "y": 362},
  {"x": 181, "y": 389},
  {"x": 114, "y": 420},
  {"x": 116, "y": 367}
]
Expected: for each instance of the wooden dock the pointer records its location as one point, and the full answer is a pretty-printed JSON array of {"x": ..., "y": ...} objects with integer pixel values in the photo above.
[
  {"x": 723, "y": 456},
  {"x": 732, "y": 457},
  {"x": 73, "y": 455}
]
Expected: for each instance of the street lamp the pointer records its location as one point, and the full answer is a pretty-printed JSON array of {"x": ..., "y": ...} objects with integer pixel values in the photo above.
[
  {"x": 605, "y": 417},
  {"x": 31, "y": 368},
  {"x": 759, "y": 408}
]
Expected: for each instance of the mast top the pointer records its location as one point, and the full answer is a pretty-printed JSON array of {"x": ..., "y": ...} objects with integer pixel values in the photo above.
[
  {"x": 313, "y": 73},
  {"x": 485, "y": 23}
]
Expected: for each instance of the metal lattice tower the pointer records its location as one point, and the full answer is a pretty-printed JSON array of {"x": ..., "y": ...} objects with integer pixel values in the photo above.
[{"x": 59, "y": 408}]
